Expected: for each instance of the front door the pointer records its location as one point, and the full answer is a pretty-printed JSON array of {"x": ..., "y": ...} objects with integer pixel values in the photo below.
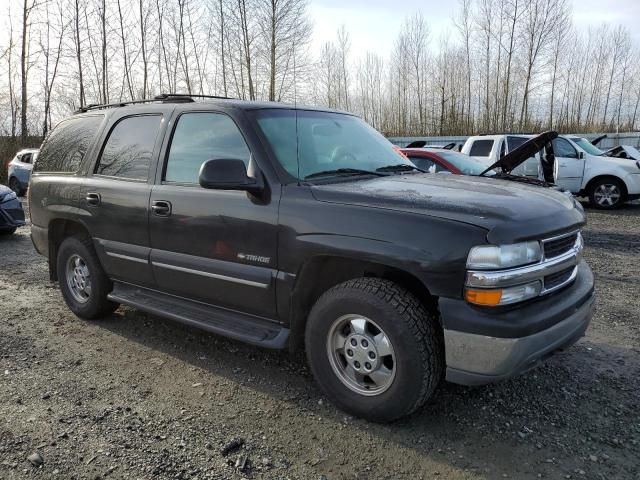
[
  {"x": 116, "y": 193},
  {"x": 569, "y": 167},
  {"x": 213, "y": 246}
]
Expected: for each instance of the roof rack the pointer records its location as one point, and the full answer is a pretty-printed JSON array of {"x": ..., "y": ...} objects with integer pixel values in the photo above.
[
  {"x": 167, "y": 96},
  {"x": 163, "y": 97}
]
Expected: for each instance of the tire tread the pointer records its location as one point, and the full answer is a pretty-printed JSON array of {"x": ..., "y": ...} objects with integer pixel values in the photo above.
[{"x": 422, "y": 323}]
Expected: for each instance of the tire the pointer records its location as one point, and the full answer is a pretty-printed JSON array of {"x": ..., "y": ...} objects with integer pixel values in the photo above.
[
  {"x": 607, "y": 193},
  {"x": 78, "y": 266},
  {"x": 10, "y": 231},
  {"x": 404, "y": 379},
  {"x": 14, "y": 185}
]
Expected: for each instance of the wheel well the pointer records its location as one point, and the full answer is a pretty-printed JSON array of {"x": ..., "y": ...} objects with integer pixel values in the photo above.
[
  {"x": 322, "y": 273},
  {"x": 605, "y": 177},
  {"x": 60, "y": 229}
]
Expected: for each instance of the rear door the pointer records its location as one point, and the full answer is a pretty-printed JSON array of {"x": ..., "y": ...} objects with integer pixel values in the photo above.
[
  {"x": 214, "y": 246},
  {"x": 116, "y": 194},
  {"x": 569, "y": 167}
]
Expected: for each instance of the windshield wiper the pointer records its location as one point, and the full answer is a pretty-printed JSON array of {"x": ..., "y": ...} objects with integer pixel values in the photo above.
[
  {"x": 344, "y": 171},
  {"x": 401, "y": 167}
]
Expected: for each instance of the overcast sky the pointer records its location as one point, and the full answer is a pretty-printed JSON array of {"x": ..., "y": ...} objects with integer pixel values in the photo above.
[{"x": 374, "y": 24}]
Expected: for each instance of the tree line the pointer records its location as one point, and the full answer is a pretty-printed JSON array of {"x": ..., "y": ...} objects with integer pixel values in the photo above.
[{"x": 504, "y": 65}]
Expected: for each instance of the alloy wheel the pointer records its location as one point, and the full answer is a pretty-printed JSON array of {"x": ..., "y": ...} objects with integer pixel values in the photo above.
[
  {"x": 607, "y": 194},
  {"x": 78, "y": 278},
  {"x": 361, "y": 355}
]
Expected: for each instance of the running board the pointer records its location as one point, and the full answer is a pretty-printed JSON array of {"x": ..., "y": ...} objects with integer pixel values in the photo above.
[{"x": 239, "y": 326}]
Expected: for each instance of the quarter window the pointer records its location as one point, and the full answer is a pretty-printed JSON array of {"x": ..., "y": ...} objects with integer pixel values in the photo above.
[
  {"x": 66, "y": 145},
  {"x": 199, "y": 137},
  {"x": 128, "y": 150},
  {"x": 481, "y": 148}
]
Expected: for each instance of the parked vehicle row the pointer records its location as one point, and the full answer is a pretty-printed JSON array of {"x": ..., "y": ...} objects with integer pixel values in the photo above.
[
  {"x": 572, "y": 163},
  {"x": 298, "y": 228}
]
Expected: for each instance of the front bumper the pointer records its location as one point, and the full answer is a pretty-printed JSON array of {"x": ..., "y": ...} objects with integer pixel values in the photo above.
[{"x": 486, "y": 346}]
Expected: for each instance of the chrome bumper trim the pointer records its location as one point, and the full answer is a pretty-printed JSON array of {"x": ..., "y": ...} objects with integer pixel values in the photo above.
[{"x": 530, "y": 273}]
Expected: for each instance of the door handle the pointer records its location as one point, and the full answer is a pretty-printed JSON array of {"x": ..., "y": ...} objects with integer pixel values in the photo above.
[
  {"x": 161, "y": 208},
  {"x": 93, "y": 199}
]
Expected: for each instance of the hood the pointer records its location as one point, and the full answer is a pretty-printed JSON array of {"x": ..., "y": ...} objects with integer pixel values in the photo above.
[
  {"x": 624, "y": 152},
  {"x": 510, "y": 211},
  {"x": 519, "y": 155}
]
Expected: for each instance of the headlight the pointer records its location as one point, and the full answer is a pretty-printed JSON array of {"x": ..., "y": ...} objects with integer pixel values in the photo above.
[{"x": 493, "y": 257}]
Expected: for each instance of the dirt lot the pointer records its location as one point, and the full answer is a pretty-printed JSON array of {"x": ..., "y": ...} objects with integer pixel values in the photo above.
[{"x": 135, "y": 396}]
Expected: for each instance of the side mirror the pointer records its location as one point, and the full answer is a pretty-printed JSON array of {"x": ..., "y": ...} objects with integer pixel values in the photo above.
[
  {"x": 228, "y": 174},
  {"x": 580, "y": 155}
]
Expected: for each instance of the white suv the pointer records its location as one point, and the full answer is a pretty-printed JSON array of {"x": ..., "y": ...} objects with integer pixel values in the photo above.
[{"x": 580, "y": 167}]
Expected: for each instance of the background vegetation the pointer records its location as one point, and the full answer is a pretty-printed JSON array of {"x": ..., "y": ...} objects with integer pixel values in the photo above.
[{"x": 507, "y": 65}]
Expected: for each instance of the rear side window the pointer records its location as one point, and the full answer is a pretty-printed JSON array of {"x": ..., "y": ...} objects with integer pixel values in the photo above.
[
  {"x": 67, "y": 144},
  {"x": 481, "y": 148},
  {"x": 199, "y": 137},
  {"x": 128, "y": 150}
]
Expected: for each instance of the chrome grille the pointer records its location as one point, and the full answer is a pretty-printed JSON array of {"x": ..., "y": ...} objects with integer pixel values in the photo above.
[
  {"x": 555, "y": 280},
  {"x": 557, "y": 246}
]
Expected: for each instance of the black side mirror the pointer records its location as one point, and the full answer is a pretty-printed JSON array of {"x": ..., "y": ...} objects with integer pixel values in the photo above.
[
  {"x": 228, "y": 174},
  {"x": 580, "y": 155}
]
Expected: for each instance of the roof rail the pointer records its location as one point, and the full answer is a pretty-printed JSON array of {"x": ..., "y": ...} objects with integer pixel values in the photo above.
[
  {"x": 97, "y": 106},
  {"x": 163, "y": 97},
  {"x": 168, "y": 96}
]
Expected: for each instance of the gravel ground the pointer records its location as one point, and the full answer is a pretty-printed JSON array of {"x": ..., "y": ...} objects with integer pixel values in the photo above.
[{"x": 139, "y": 397}]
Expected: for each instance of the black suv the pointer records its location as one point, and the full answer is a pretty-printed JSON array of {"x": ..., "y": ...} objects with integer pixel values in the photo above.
[{"x": 304, "y": 228}]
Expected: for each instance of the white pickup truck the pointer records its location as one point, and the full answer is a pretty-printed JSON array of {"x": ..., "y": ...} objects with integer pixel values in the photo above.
[{"x": 579, "y": 167}]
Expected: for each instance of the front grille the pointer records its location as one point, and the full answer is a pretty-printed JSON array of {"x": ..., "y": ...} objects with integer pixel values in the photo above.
[
  {"x": 558, "y": 246},
  {"x": 556, "y": 279}
]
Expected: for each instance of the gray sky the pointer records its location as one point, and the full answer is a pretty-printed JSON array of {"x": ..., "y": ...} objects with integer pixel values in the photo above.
[{"x": 374, "y": 24}]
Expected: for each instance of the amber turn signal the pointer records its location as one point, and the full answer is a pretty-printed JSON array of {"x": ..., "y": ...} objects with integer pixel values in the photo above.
[{"x": 483, "y": 297}]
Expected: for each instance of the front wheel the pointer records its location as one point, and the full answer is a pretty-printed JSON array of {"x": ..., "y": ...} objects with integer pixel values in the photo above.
[
  {"x": 607, "y": 193},
  {"x": 374, "y": 349},
  {"x": 14, "y": 185},
  {"x": 83, "y": 283}
]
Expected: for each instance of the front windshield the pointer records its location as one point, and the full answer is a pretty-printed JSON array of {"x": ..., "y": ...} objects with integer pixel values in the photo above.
[
  {"x": 587, "y": 146},
  {"x": 324, "y": 142},
  {"x": 464, "y": 163}
]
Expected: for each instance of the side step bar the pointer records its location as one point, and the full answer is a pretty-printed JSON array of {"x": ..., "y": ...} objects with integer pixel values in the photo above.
[{"x": 246, "y": 328}]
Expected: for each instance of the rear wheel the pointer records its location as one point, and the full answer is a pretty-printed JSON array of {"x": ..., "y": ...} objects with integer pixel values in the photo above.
[
  {"x": 374, "y": 349},
  {"x": 83, "y": 283},
  {"x": 607, "y": 193}
]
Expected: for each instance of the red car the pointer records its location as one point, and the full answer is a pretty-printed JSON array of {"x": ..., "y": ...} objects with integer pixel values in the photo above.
[{"x": 439, "y": 160}]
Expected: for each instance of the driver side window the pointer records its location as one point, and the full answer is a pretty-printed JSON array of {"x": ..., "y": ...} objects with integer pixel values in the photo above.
[
  {"x": 562, "y": 148},
  {"x": 202, "y": 136}
]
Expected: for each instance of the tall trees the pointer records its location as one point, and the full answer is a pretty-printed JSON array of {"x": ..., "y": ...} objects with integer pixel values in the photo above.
[{"x": 504, "y": 65}]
